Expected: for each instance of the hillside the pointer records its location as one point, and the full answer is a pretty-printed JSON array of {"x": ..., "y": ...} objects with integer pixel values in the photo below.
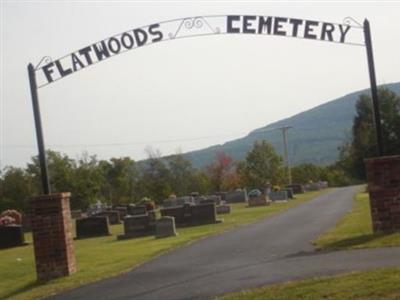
[{"x": 314, "y": 138}]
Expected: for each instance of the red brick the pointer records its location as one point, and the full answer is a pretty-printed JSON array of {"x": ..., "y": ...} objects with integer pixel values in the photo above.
[
  {"x": 51, "y": 229},
  {"x": 383, "y": 174}
]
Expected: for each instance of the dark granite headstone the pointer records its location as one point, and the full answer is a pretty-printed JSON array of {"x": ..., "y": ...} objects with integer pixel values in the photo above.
[
  {"x": 210, "y": 199},
  {"x": 204, "y": 214},
  {"x": 187, "y": 215},
  {"x": 113, "y": 216},
  {"x": 289, "y": 192},
  {"x": 297, "y": 188},
  {"x": 123, "y": 211},
  {"x": 165, "y": 227},
  {"x": 221, "y": 194},
  {"x": 176, "y": 212},
  {"x": 223, "y": 209},
  {"x": 236, "y": 196},
  {"x": 260, "y": 200},
  {"x": 278, "y": 196},
  {"x": 92, "y": 227},
  {"x": 137, "y": 210},
  {"x": 137, "y": 226},
  {"x": 11, "y": 236}
]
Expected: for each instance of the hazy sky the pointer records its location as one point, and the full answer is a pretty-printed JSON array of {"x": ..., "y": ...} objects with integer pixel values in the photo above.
[{"x": 178, "y": 95}]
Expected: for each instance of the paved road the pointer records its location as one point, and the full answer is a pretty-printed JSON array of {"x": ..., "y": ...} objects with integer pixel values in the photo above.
[{"x": 272, "y": 250}]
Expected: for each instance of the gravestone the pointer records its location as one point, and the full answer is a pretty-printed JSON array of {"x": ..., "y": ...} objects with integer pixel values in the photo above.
[
  {"x": 203, "y": 214},
  {"x": 297, "y": 188},
  {"x": 92, "y": 227},
  {"x": 11, "y": 236},
  {"x": 222, "y": 195},
  {"x": 278, "y": 196},
  {"x": 289, "y": 192},
  {"x": 170, "y": 202},
  {"x": 223, "y": 209},
  {"x": 122, "y": 210},
  {"x": 312, "y": 187},
  {"x": 187, "y": 215},
  {"x": 137, "y": 210},
  {"x": 209, "y": 199},
  {"x": 186, "y": 200},
  {"x": 236, "y": 196},
  {"x": 136, "y": 226},
  {"x": 112, "y": 215},
  {"x": 257, "y": 198},
  {"x": 323, "y": 184},
  {"x": 165, "y": 227},
  {"x": 206, "y": 201},
  {"x": 258, "y": 201},
  {"x": 176, "y": 212}
]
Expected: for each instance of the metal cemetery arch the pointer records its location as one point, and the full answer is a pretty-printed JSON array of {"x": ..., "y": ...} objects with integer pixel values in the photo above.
[{"x": 349, "y": 32}]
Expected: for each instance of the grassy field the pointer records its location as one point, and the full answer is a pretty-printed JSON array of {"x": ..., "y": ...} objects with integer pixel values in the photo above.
[
  {"x": 103, "y": 257},
  {"x": 355, "y": 230},
  {"x": 378, "y": 284}
]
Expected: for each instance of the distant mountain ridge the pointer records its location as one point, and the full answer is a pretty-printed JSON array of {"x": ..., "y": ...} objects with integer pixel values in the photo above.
[{"x": 315, "y": 137}]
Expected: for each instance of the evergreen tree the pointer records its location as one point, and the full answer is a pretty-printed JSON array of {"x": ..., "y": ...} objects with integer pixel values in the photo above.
[{"x": 363, "y": 141}]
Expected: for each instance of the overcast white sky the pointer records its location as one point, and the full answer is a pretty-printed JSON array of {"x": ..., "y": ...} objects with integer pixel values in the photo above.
[{"x": 185, "y": 94}]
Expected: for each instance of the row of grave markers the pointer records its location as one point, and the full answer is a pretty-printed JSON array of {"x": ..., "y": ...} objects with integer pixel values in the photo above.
[{"x": 176, "y": 211}]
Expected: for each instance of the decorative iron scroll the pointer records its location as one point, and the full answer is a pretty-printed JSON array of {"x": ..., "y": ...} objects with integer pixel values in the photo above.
[{"x": 349, "y": 32}]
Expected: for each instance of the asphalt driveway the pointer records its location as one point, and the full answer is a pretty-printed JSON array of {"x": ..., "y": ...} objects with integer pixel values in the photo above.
[{"x": 272, "y": 250}]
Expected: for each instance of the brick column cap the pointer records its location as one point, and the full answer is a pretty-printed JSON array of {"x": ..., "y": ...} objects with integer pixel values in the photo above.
[
  {"x": 52, "y": 196},
  {"x": 382, "y": 158}
]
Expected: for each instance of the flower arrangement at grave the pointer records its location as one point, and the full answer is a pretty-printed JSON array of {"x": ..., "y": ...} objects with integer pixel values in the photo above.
[
  {"x": 276, "y": 188},
  {"x": 150, "y": 205},
  {"x": 10, "y": 217}
]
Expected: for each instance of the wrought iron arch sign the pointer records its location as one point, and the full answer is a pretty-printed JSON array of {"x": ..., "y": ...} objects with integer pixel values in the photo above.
[{"x": 48, "y": 71}]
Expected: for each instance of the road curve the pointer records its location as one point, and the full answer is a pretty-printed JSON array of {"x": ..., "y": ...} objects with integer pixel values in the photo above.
[{"x": 273, "y": 250}]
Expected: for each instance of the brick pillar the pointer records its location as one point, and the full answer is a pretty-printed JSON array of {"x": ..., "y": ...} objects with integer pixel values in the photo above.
[
  {"x": 383, "y": 174},
  {"x": 52, "y": 236}
]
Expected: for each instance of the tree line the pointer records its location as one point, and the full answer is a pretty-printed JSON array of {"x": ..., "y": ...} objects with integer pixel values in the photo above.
[{"x": 123, "y": 180}]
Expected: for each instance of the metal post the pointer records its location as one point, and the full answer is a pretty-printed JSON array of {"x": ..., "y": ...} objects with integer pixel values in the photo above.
[
  {"x": 374, "y": 90},
  {"x": 285, "y": 148},
  {"x": 39, "y": 132}
]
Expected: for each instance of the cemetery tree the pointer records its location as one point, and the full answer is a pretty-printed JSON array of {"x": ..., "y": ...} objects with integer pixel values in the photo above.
[
  {"x": 182, "y": 174},
  {"x": 155, "y": 178},
  {"x": 219, "y": 169},
  {"x": 87, "y": 182},
  {"x": 306, "y": 173},
  {"x": 363, "y": 141},
  {"x": 16, "y": 187},
  {"x": 262, "y": 166},
  {"x": 120, "y": 176},
  {"x": 201, "y": 182},
  {"x": 61, "y": 171}
]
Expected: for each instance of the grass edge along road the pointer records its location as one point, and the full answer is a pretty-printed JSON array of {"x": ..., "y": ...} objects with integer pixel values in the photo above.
[
  {"x": 353, "y": 231},
  {"x": 377, "y": 284},
  {"x": 99, "y": 258}
]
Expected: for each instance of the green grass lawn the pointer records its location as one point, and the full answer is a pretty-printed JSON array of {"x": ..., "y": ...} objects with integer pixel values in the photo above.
[
  {"x": 373, "y": 285},
  {"x": 103, "y": 257},
  {"x": 355, "y": 230},
  {"x": 352, "y": 232}
]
